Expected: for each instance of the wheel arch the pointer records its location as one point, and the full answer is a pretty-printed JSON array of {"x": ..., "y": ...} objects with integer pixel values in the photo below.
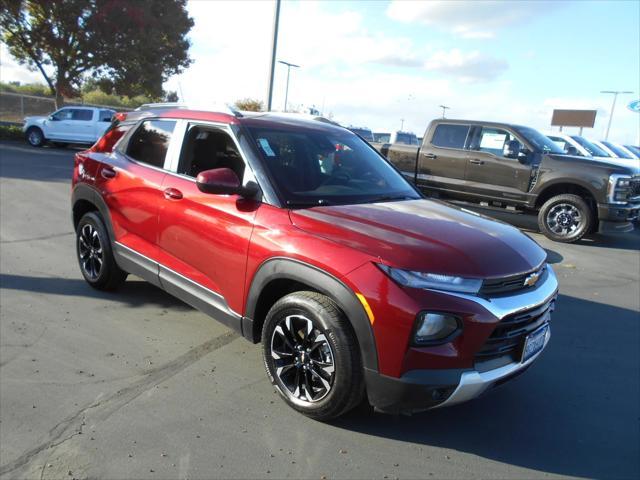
[
  {"x": 277, "y": 277},
  {"x": 86, "y": 199},
  {"x": 562, "y": 187}
]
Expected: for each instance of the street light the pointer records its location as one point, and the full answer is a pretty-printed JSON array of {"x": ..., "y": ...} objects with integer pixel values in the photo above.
[
  {"x": 613, "y": 106},
  {"x": 444, "y": 107},
  {"x": 274, "y": 44},
  {"x": 286, "y": 93}
]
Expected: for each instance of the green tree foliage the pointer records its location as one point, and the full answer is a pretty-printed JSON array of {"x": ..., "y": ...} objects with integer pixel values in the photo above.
[
  {"x": 249, "y": 105},
  {"x": 128, "y": 48}
]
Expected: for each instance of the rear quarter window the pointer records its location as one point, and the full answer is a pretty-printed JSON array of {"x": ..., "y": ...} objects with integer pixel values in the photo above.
[
  {"x": 450, "y": 136},
  {"x": 150, "y": 142}
]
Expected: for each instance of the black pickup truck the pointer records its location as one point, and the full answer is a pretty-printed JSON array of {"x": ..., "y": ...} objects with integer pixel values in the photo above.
[{"x": 516, "y": 167}]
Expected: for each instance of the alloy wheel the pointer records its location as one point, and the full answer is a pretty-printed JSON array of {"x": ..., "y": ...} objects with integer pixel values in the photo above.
[
  {"x": 90, "y": 250},
  {"x": 35, "y": 137},
  {"x": 303, "y": 358},
  {"x": 564, "y": 219}
]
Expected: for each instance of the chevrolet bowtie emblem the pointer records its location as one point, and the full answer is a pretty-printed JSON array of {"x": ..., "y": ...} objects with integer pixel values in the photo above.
[{"x": 531, "y": 280}]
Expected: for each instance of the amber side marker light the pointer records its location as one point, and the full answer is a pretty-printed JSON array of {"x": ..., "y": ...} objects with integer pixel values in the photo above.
[{"x": 366, "y": 306}]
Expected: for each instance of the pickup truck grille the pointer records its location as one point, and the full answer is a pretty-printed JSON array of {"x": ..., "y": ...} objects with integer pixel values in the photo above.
[
  {"x": 507, "y": 339},
  {"x": 498, "y": 286},
  {"x": 634, "y": 187}
]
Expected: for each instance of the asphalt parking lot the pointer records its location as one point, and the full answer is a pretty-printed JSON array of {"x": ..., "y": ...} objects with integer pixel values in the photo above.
[{"x": 136, "y": 384}]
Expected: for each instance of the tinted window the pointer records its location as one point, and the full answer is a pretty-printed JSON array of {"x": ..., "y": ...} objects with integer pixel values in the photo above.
[
  {"x": 81, "y": 114},
  {"x": 150, "y": 142},
  {"x": 316, "y": 167},
  {"x": 618, "y": 151},
  {"x": 492, "y": 140},
  {"x": 539, "y": 142},
  {"x": 450, "y": 136},
  {"x": 105, "y": 115},
  {"x": 64, "y": 114},
  {"x": 206, "y": 149},
  {"x": 593, "y": 150},
  {"x": 634, "y": 149},
  {"x": 364, "y": 133},
  {"x": 406, "y": 138}
]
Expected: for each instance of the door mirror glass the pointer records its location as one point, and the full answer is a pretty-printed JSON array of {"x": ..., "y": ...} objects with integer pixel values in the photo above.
[
  {"x": 511, "y": 149},
  {"x": 224, "y": 181}
]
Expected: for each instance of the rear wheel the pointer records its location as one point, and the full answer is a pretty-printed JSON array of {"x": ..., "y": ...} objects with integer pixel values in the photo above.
[
  {"x": 565, "y": 218},
  {"x": 35, "y": 137},
  {"x": 311, "y": 355},
  {"x": 95, "y": 255}
]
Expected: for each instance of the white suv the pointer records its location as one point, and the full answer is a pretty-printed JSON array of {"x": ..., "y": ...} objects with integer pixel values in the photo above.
[{"x": 72, "y": 124}]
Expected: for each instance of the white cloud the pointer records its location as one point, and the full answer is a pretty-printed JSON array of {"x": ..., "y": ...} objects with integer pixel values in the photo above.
[
  {"x": 468, "y": 67},
  {"x": 12, "y": 71},
  {"x": 468, "y": 18}
]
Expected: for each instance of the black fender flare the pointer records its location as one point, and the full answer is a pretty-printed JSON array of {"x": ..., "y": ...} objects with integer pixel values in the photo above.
[
  {"x": 323, "y": 282},
  {"x": 83, "y": 191}
]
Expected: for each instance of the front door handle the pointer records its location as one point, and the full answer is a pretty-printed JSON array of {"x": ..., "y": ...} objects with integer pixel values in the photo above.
[
  {"x": 476, "y": 161},
  {"x": 172, "y": 194},
  {"x": 430, "y": 156},
  {"x": 108, "y": 173}
]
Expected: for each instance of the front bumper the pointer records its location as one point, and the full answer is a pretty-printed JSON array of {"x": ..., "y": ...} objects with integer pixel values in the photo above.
[
  {"x": 419, "y": 390},
  {"x": 616, "y": 218}
]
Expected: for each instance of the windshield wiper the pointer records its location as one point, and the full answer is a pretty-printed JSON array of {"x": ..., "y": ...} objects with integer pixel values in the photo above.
[
  {"x": 320, "y": 202},
  {"x": 391, "y": 198}
]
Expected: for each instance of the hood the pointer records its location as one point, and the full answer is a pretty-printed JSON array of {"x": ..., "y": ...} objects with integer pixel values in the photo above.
[
  {"x": 632, "y": 166},
  {"x": 426, "y": 236},
  {"x": 35, "y": 119}
]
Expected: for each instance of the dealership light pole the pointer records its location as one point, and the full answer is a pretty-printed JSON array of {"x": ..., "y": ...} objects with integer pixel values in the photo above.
[
  {"x": 444, "y": 108},
  {"x": 274, "y": 44},
  {"x": 286, "y": 92},
  {"x": 613, "y": 106}
]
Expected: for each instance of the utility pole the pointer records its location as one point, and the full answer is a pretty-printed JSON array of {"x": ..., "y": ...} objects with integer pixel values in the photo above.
[
  {"x": 274, "y": 45},
  {"x": 444, "y": 108},
  {"x": 401, "y": 124},
  {"x": 613, "y": 106},
  {"x": 286, "y": 93}
]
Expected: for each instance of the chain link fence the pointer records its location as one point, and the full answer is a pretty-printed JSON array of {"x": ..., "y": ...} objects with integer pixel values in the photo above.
[{"x": 15, "y": 106}]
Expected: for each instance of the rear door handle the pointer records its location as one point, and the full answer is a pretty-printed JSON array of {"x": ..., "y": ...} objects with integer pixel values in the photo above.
[
  {"x": 108, "y": 173},
  {"x": 172, "y": 194},
  {"x": 476, "y": 161},
  {"x": 430, "y": 156}
]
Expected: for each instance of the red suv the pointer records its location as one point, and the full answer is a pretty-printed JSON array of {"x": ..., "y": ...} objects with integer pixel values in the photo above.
[{"x": 298, "y": 234}]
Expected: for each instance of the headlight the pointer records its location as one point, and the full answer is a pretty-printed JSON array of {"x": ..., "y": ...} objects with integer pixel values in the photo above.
[
  {"x": 432, "y": 327},
  {"x": 435, "y": 281},
  {"x": 619, "y": 186}
]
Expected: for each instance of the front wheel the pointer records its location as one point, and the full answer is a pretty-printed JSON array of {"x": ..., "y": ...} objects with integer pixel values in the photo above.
[
  {"x": 35, "y": 137},
  {"x": 565, "y": 218},
  {"x": 95, "y": 255},
  {"x": 311, "y": 355}
]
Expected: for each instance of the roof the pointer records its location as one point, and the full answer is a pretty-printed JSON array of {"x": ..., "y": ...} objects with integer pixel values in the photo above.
[{"x": 477, "y": 122}]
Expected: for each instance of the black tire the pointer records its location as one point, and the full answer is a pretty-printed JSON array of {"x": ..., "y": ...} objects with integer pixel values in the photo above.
[
  {"x": 565, "y": 218},
  {"x": 95, "y": 255},
  {"x": 330, "y": 342},
  {"x": 35, "y": 137}
]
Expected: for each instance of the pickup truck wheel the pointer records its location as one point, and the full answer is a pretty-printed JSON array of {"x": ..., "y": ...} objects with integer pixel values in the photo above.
[
  {"x": 311, "y": 355},
  {"x": 35, "y": 137},
  {"x": 95, "y": 255},
  {"x": 565, "y": 218}
]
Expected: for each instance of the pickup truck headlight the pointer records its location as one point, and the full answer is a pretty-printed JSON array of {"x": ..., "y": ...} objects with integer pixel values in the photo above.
[
  {"x": 619, "y": 187},
  {"x": 434, "y": 281},
  {"x": 435, "y": 327}
]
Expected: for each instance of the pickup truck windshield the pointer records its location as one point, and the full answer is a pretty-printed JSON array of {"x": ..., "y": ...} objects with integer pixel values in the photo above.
[
  {"x": 539, "y": 141},
  {"x": 314, "y": 167},
  {"x": 594, "y": 150},
  {"x": 618, "y": 151}
]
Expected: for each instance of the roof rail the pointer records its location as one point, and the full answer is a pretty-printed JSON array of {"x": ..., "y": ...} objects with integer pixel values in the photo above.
[{"x": 216, "y": 107}]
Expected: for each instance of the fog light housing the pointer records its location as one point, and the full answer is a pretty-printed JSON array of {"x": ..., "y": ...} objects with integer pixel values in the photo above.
[{"x": 435, "y": 328}]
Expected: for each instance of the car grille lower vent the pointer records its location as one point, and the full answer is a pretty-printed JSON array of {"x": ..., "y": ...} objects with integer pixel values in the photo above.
[{"x": 498, "y": 286}]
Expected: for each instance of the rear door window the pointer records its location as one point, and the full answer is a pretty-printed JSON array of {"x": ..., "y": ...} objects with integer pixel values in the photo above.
[
  {"x": 150, "y": 142},
  {"x": 81, "y": 114},
  {"x": 105, "y": 115},
  {"x": 450, "y": 136}
]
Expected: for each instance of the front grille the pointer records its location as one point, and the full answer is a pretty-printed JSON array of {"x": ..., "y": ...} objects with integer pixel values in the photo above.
[
  {"x": 507, "y": 339},
  {"x": 634, "y": 187},
  {"x": 497, "y": 286}
]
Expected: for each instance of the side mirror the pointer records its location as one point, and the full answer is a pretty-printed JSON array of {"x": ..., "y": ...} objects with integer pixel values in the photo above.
[
  {"x": 511, "y": 149},
  {"x": 52, "y": 118},
  {"x": 571, "y": 150},
  {"x": 224, "y": 181}
]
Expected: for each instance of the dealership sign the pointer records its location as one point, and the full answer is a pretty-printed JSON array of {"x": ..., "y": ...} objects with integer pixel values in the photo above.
[{"x": 634, "y": 106}]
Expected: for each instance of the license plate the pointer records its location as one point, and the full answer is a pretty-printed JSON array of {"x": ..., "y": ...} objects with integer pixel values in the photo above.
[{"x": 534, "y": 342}]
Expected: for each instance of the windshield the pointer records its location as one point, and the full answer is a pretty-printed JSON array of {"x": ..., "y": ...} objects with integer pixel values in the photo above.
[
  {"x": 539, "y": 141},
  {"x": 634, "y": 149},
  {"x": 594, "y": 150},
  {"x": 618, "y": 151},
  {"x": 315, "y": 167}
]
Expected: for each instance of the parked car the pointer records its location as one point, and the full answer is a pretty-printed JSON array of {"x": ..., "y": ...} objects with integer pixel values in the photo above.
[
  {"x": 633, "y": 149},
  {"x": 578, "y": 146},
  {"x": 615, "y": 150},
  {"x": 299, "y": 235},
  {"x": 516, "y": 167},
  {"x": 381, "y": 137},
  {"x": 403, "y": 138},
  {"x": 72, "y": 124},
  {"x": 365, "y": 133}
]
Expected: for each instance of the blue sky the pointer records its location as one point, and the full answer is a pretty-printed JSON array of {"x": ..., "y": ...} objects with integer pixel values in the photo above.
[{"x": 375, "y": 63}]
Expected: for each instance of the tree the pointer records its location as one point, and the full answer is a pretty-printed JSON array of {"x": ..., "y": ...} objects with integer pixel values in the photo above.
[
  {"x": 249, "y": 105},
  {"x": 129, "y": 48}
]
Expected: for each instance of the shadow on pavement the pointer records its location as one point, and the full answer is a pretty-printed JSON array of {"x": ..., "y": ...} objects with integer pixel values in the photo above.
[
  {"x": 135, "y": 293},
  {"x": 575, "y": 412}
]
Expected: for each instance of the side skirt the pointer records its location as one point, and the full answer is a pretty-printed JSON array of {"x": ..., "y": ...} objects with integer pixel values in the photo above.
[{"x": 190, "y": 292}]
